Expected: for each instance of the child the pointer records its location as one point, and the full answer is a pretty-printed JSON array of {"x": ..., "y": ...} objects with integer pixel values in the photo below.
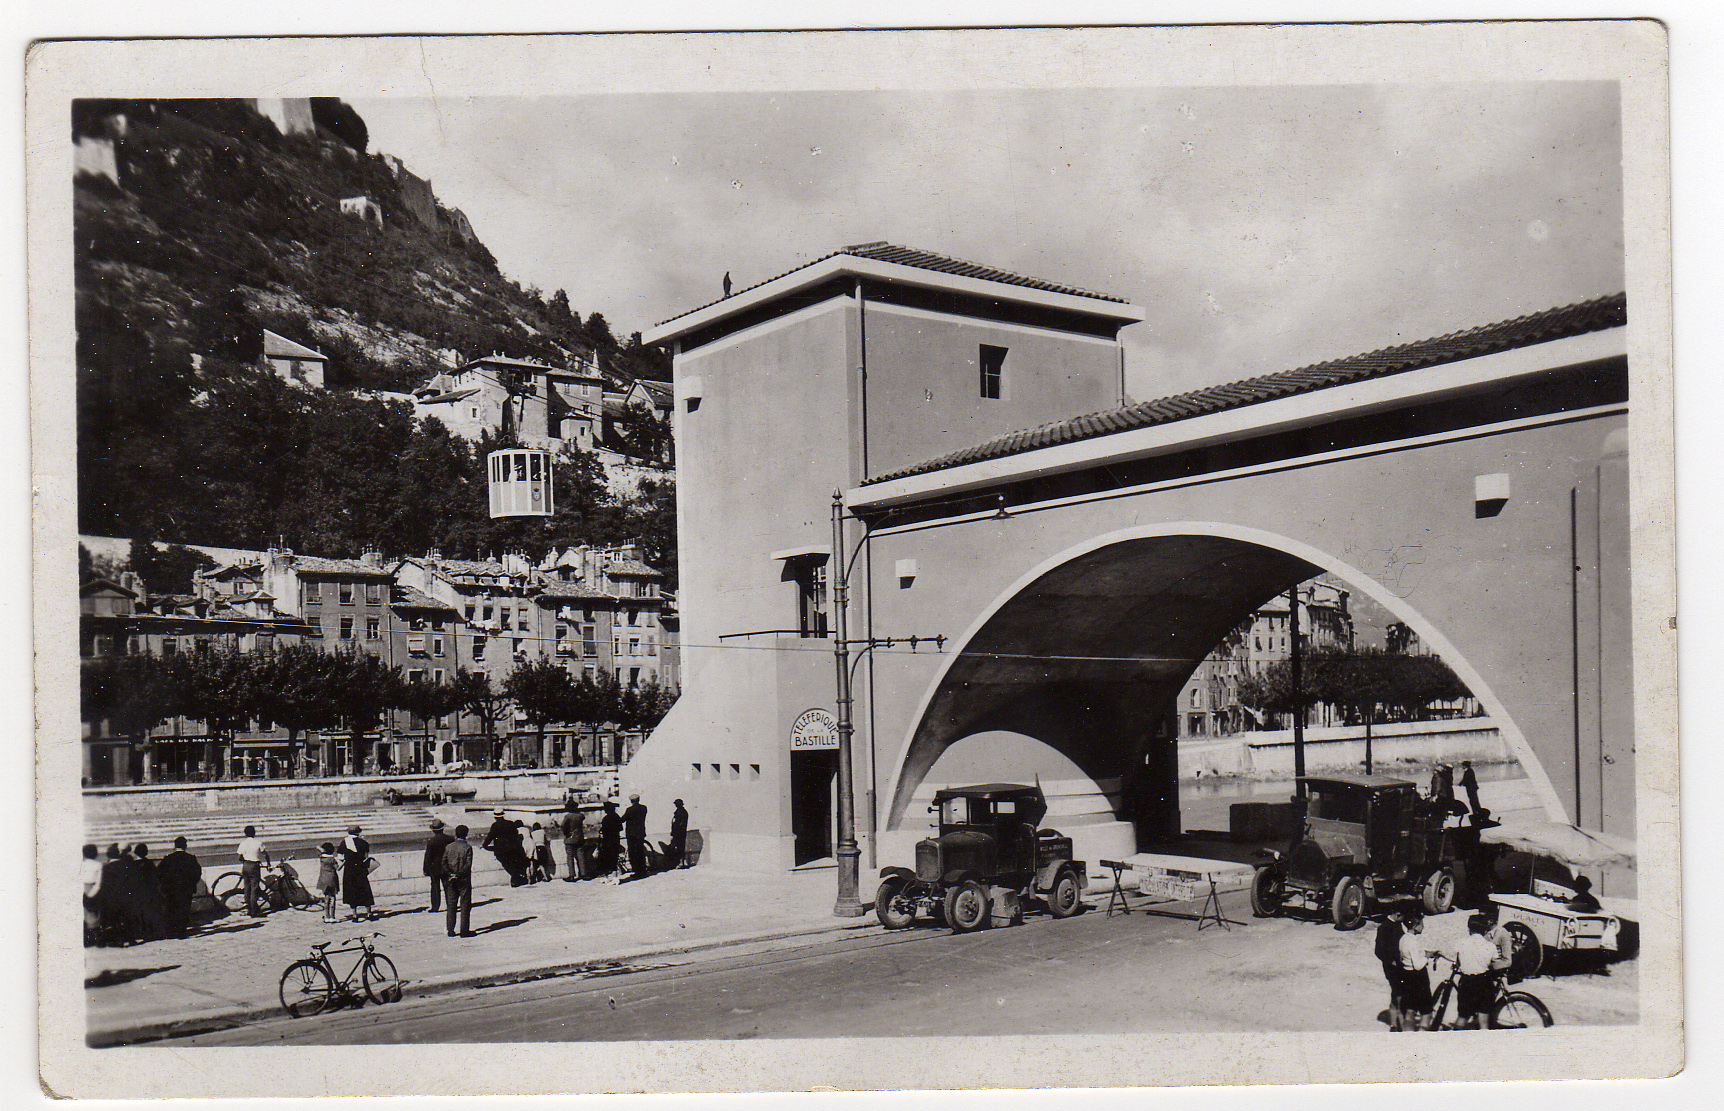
[
  {"x": 329, "y": 879},
  {"x": 1414, "y": 983},
  {"x": 543, "y": 867}
]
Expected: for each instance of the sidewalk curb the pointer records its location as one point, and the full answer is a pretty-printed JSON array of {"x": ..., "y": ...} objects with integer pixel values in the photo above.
[{"x": 221, "y": 1020}]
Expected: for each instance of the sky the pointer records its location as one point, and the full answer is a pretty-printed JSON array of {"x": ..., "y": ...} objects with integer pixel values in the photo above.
[{"x": 1260, "y": 228}]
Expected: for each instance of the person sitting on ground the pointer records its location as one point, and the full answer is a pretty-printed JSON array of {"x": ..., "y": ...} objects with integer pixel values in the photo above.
[{"x": 1583, "y": 901}]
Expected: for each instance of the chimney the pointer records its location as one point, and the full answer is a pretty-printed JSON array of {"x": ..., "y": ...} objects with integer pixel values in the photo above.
[{"x": 371, "y": 557}]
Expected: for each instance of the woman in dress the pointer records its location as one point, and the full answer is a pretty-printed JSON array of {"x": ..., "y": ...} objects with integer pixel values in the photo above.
[{"x": 356, "y": 874}]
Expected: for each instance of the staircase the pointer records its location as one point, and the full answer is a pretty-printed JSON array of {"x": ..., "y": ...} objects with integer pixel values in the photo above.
[{"x": 281, "y": 830}]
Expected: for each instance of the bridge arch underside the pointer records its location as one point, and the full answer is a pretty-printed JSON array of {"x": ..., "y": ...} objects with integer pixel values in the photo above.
[{"x": 1091, "y": 655}]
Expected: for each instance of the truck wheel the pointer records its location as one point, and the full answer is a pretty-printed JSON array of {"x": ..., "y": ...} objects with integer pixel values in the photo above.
[
  {"x": 1439, "y": 892},
  {"x": 1266, "y": 894},
  {"x": 1528, "y": 950},
  {"x": 892, "y": 914},
  {"x": 1347, "y": 905},
  {"x": 1063, "y": 901},
  {"x": 967, "y": 907}
]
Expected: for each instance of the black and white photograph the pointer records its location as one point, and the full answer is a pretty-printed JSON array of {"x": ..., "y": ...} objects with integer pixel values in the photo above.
[{"x": 881, "y": 560}]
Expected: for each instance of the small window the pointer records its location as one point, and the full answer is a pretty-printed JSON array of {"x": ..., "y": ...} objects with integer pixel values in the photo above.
[
  {"x": 478, "y": 648},
  {"x": 417, "y": 624},
  {"x": 310, "y": 594},
  {"x": 346, "y": 590},
  {"x": 993, "y": 364},
  {"x": 415, "y": 675},
  {"x": 437, "y": 676},
  {"x": 373, "y": 593},
  {"x": 169, "y": 646},
  {"x": 347, "y": 628},
  {"x": 436, "y": 646},
  {"x": 373, "y": 629}
]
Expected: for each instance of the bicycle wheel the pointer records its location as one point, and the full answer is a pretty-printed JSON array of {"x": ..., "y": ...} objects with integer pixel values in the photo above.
[
  {"x": 299, "y": 898},
  {"x": 306, "y": 988},
  {"x": 378, "y": 976},
  {"x": 1519, "y": 1011},
  {"x": 229, "y": 891}
]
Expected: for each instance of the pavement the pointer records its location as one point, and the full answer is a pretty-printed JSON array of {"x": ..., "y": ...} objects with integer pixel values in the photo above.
[{"x": 229, "y": 970}]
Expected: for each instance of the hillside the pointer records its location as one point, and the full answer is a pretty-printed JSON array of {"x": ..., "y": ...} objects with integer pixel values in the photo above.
[{"x": 206, "y": 224}]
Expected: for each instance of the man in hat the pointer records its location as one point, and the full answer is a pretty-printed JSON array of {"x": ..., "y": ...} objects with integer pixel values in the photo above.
[
  {"x": 574, "y": 830},
  {"x": 179, "y": 873},
  {"x": 610, "y": 840},
  {"x": 433, "y": 865},
  {"x": 504, "y": 839},
  {"x": 634, "y": 831}
]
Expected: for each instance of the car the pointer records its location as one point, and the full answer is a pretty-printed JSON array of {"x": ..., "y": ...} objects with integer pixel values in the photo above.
[
  {"x": 1365, "y": 839},
  {"x": 1543, "y": 919},
  {"x": 987, "y": 860}
]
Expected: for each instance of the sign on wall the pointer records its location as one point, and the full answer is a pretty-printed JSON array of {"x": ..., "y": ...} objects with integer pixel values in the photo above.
[{"x": 814, "y": 729}]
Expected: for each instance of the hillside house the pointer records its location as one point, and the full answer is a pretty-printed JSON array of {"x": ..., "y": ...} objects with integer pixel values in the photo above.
[{"x": 292, "y": 362}]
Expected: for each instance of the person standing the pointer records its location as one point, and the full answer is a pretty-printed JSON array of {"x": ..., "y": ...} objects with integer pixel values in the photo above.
[
  {"x": 634, "y": 829},
  {"x": 543, "y": 866},
  {"x": 1388, "y": 950},
  {"x": 574, "y": 830},
  {"x": 356, "y": 875},
  {"x": 433, "y": 863},
  {"x": 179, "y": 874},
  {"x": 328, "y": 879},
  {"x": 1414, "y": 989},
  {"x": 504, "y": 839},
  {"x": 90, "y": 875},
  {"x": 1470, "y": 784},
  {"x": 678, "y": 835},
  {"x": 457, "y": 872},
  {"x": 610, "y": 840},
  {"x": 1498, "y": 936},
  {"x": 253, "y": 859},
  {"x": 1478, "y": 961}
]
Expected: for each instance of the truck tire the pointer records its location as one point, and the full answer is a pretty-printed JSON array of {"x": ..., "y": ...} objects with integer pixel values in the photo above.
[
  {"x": 1528, "y": 950},
  {"x": 968, "y": 907},
  {"x": 1062, "y": 898},
  {"x": 892, "y": 916},
  {"x": 1439, "y": 892},
  {"x": 1347, "y": 905},
  {"x": 1267, "y": 897}
]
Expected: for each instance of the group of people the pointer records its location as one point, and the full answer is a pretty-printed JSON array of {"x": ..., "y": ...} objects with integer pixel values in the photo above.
[
  {"x": 1481, "y": 958},
  {"x": 524, "y": 852},
  {"x": 129, "y": 897}
]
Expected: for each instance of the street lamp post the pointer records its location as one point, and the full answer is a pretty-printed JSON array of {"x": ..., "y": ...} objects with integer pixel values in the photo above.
[{"x": 849, "y": 904}]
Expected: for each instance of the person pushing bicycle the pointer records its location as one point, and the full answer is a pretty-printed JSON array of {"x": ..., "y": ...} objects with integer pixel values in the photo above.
[{"x": 1480, "y": 965}]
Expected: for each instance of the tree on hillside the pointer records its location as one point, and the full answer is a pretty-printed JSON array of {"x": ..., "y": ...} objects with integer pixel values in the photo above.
[
  {"x": 166, "y": 570},
  {"x": 541, "y": 690}
]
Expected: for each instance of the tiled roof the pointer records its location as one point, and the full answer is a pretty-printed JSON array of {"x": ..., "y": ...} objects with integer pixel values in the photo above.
[
  {"x": 629, "y": 567},
  {"x": 317, "y": 565},
  {"x": 408, "y": 597},
  {"x": 925, "y": 260},
  {"x": 1523, "y": 331},
  {"x": 274, "y": 344},
  {"x": 471, "y": 567},
  {"x": 576, "y": 590}
]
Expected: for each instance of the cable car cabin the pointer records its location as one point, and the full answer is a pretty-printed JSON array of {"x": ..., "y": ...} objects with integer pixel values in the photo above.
[{"x": 520, "y": 481}]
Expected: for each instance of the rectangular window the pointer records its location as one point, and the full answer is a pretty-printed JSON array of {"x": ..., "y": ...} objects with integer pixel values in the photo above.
[
  {"x": 993, "y": 363},
  {"x": 521, "y": 618},
  {"x": 373, "y": 593},
  {"x": 562, "y": 632},
  {"x": 589, "y": 643},
  {"x": 437, "y": 625},
  {"x": 347, "y": 628},
  {"x": 437, "y": 676},
  {"x": 417, "y": 624},
  {"x": 373, "y": 629},
  {"x": 590, "y": 672},
  {"x": 634, "y": 676},
  {"x": 436, "y": 646},
  {"x": 634, "y": 646},
  {"x": 308, "y": 591},
  {"x": 810, "y": 577},
  {"x": 478, "y": 649},
  {"x": 346, "y": 591},
  {"x": 469, "y": 613},
  {"x": 169, "y": 646},
  {"x": 415, "y": 675}
]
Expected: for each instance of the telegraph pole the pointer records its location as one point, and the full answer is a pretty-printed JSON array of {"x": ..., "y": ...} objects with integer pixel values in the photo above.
[
  {"x": 1297, "y": 660},
  {"x": 849, "y": 904}
]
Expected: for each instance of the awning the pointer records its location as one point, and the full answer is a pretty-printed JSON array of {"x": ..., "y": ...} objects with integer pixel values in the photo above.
[{"x": 1581, "y": 848}]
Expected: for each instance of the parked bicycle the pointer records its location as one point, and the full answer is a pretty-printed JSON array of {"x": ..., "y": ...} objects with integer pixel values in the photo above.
[
  {"x": 310, "y": 986},
  {"x": 1509, "y": 1010},
  {"x": 278, "y": 887}
]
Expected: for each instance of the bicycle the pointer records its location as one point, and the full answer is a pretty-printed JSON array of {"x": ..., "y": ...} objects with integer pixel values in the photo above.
[
  {"x": 1509, "y": 1010},
  {"x": 310, "y": 986},
  {"x": 279, "y": 887}
]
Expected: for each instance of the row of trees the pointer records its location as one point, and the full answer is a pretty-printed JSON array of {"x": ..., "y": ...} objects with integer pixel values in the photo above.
[
  {"x": 302, "y": 688},
  {"x": 1368, "y": 685}
]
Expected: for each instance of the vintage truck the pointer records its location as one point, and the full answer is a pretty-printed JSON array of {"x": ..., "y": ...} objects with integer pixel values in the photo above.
[
  {"x": 988, "y": 858},
  {"x": 1365, "y": 839}
]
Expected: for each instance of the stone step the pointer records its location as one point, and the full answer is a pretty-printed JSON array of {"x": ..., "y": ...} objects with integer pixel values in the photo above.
[{"x": 210, "y": 831}]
